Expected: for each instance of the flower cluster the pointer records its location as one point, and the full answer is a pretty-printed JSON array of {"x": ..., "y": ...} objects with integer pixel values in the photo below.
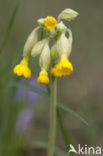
[{"x": 57, "y": 55}]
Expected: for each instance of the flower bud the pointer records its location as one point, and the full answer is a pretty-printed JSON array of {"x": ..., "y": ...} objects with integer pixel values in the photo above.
[
  {"x": 37, "y": 49},
  {"x": 68, "y": 14},
  {"x": 30, "y": 42},
  {"x": 52, "y": 33},
  {"x": 41, "y": 21},
  {"x": 60, "y": 27},
  {"x": 44, "y": 59}
]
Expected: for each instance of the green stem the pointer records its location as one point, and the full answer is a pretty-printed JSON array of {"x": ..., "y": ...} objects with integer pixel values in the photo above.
[{"x": 52, "y": 117}]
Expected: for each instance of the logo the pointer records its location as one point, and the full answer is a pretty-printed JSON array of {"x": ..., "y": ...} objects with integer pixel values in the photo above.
[{"x": 85, "y": 150}]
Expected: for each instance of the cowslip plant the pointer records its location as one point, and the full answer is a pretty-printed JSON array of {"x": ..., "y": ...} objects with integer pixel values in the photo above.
[{"x": 53, "y": 59}]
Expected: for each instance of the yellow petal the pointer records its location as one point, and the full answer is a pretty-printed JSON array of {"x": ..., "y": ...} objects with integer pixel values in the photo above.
[
  {"x": 50, "y": 22},
  {"x": 43, "y": 77}
]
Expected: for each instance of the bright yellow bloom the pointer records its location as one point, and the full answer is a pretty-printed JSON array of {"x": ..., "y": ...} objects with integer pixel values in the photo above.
[
  {"x": 22, "y": 69},
  {"x": 54, "y": 72},
  {"x": 50, "y": 22},
  {"x": 43, "y": 77},
  {"x": 64, "y": 67}
]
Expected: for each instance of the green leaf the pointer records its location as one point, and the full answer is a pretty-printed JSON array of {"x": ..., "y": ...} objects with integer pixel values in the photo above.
[
  {"x": 41, "y": 92},
  {"x": 64, "y": 132},
  {"x": 69, "y": 110},
  {"x": 44, "y": 145},
  {"x": 9, "y": 28}
]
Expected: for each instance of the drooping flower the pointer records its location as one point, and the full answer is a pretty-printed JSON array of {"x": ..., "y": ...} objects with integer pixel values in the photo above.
[
  {"x": 22, "y": 69},
  {"x": 54, "y": 72},
  {"x": 44, "y": 62},
  {"x": 43, "y": 77},
  {"x": 64, "y": 67},
  {"x": 50, "y": 22}
]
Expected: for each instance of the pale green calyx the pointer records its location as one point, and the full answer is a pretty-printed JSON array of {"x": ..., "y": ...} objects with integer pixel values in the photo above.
[
  {"x": 62, "y": 44},
  {"x": 68, "y": 14},
  {"x": 60, "y": 27},
  {"x": 44, "y": 59},
  {"x": 70, "y": 40},
  {"x": 41, "y": 21},
  {"x": 51, "y": 33},
  {"x": 55, "y": 53},
  {"x": 38, "y": 47},
  {"x": 61, "y": 47},
  {"x": 30, "y": 42}
]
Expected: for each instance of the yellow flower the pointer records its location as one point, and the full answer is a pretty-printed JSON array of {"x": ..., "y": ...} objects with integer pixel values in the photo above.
[
  {"x": 22, "y": 69},
  {"x": 50, "y": 22},
  {"x": 54, "y": 72},
  {"x": 43, "y": 77},
  {"x": 64, "y": 67}
]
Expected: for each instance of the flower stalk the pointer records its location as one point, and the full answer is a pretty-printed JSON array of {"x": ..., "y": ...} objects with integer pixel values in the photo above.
[
  {"x": 52, "y": 116},
  {"x": 54, "y": 57}
]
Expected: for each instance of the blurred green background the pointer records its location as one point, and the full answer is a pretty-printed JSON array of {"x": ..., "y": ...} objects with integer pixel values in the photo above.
[{"x": 82, "y": 91}]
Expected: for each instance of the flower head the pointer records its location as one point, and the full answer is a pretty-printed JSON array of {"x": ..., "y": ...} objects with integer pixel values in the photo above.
[
  {"x": 64, "y": 67},
  {"x": 22, "y": 69},
  {"x": 43, "y": 77},
  {"x": 57, "y": 55},
  {"x": 50, "y": 22}
]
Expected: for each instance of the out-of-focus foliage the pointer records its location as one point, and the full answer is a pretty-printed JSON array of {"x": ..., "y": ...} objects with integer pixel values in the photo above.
[{"x": 82, "y": 91}]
